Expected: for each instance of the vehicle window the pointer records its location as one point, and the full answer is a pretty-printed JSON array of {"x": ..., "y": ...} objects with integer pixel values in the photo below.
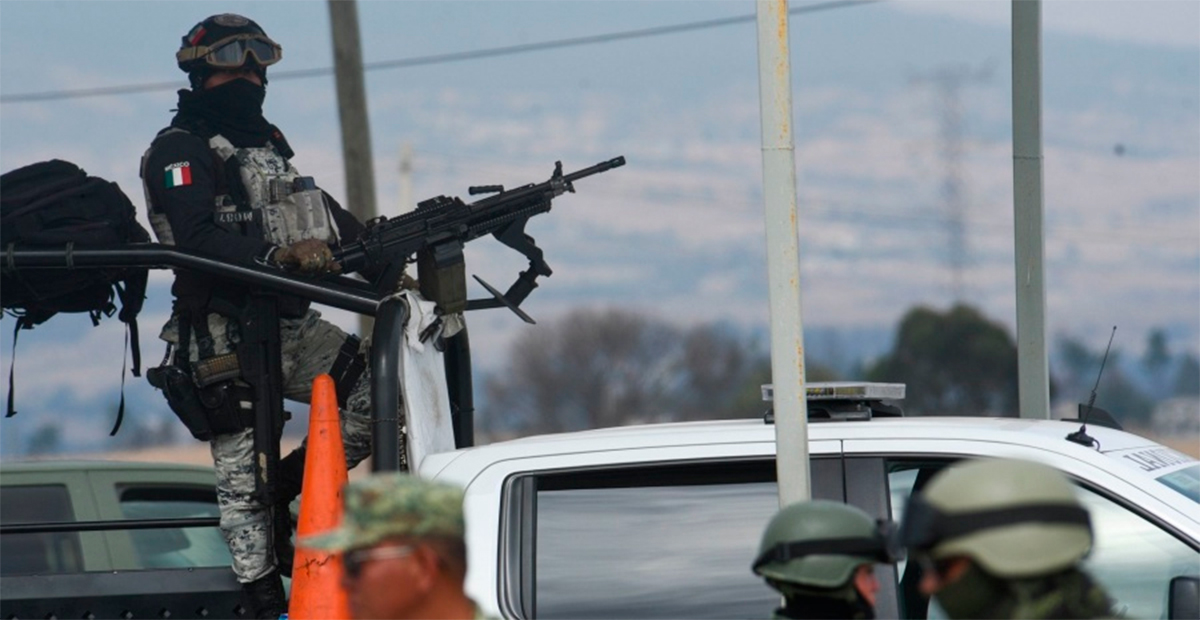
[
  {"x": 44, "y": 553},
  {"x": 666, "y": 543},
  {"x": 174, "y": 547},
  {"x": 905, "y": 478},
  {"x": 1132, "y": 558},
  {"x": 597, "y": 547},
  {"x": 1186, "y": 481}
]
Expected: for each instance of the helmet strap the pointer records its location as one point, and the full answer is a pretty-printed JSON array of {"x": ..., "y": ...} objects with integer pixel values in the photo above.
[{"x": 196, "y": 79}]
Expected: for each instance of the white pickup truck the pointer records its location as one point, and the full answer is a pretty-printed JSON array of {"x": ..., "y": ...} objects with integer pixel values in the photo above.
[{"x": 663, "y": 521}]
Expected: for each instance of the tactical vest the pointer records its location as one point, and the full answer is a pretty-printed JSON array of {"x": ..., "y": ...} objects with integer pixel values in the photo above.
[{"x": 259, "y": 193}]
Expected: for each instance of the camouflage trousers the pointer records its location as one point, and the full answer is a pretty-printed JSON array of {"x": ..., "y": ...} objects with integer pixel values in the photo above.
[{"x": 309, "y": 347}]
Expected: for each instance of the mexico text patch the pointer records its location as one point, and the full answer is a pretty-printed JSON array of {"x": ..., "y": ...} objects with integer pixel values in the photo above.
[{"x": 179, "y": 174}]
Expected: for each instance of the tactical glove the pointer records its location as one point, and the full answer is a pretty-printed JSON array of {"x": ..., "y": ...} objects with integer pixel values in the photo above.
[{"x": 307, "y": 256}]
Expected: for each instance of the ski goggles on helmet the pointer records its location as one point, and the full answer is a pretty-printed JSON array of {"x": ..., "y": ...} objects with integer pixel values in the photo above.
[
  {"x": 235, "y": 51},
  {"x": 924, "y": 526},
  {"x": 881, "y": 546}
]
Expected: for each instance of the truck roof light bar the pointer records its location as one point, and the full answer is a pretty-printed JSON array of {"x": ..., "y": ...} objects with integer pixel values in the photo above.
[{"x": 845, "y": 390}]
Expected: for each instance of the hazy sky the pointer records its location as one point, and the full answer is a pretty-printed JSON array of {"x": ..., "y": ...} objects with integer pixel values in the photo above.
[{"x": 678, "y": 232}]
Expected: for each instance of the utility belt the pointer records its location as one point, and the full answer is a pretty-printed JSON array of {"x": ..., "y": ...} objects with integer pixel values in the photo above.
[
  {"x": 211, "y": 397},
  {"x": 210, "y": 400}
]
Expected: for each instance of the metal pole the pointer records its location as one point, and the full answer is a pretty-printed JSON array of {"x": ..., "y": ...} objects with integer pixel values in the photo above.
[
  {"x": 352, "y": 111},
  {"x": 339, "y": 292},
  {"x": 457, "y": 361},
  {"x": 386, "y": 340},
  {"x": 1033, "y": 378},
  {"x": 783, "y": 253},
  {"x": 108, "y": 526}
]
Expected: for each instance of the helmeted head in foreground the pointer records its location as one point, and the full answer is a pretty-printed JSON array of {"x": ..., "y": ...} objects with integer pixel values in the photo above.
[
  {"x": 821, "y": 556},
  {"x": 1015, "y": 519},
  {"x": 391, "y": 506}
]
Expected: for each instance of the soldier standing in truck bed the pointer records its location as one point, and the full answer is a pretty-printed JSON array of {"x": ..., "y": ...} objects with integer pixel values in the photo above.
[{"x": 218, "y": 181}]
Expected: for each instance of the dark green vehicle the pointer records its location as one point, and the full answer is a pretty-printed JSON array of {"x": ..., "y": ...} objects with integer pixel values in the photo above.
[{"x": 84, "y": 539}]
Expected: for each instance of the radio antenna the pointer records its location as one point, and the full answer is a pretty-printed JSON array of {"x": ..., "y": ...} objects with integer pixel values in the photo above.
[{"x": 1081, "y": 437}]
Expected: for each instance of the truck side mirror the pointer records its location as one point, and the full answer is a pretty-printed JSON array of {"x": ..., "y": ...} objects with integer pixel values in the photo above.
[{"x": 1183, "y": 597}]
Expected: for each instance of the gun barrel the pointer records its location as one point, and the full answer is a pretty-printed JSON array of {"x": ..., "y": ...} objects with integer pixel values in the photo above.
[{"x": 615, "y": 162}]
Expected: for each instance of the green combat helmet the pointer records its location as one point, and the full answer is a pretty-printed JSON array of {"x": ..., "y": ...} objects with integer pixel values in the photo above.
[
  {"x": 820, "y": 543},
  {"x": 1015, "y": 519}
]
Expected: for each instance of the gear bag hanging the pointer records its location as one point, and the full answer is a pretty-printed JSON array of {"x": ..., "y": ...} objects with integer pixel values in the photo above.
[{"x": 55, "y": 205}]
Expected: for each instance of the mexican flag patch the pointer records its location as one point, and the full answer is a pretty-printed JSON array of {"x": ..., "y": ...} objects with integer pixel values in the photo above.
[{"x": 179, "y": 174}]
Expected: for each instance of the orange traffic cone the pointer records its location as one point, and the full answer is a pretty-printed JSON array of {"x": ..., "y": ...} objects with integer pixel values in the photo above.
[{"x": 316, "y": 579}]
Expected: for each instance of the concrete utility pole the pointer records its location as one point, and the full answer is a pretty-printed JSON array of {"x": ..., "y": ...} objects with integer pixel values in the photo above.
[
  {"x": 352, "y": 111},
  {"x": 783, "y": 253},
  {"x": 1033, "y": 376}
]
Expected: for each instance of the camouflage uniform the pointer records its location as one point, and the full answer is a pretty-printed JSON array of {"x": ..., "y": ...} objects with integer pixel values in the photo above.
[
  {"x": 387, "y": 506},
  {"x": 219, "y": 182},
  {"x": 309, "y": 345},
  {"x": 1071, "y": 594}
]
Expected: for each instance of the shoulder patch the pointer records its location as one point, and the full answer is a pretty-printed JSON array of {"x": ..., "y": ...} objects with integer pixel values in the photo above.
[{"x": 178, "y": 174}]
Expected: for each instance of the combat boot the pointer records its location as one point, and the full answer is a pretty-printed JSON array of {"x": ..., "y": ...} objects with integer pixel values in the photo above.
[
  {"x": 291, "y": 478},
  {"x": 265, "y": 596}
]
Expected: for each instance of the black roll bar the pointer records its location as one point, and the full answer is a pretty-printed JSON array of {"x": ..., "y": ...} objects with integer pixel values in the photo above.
[
  {"x": 339, "y": 292},
  {"x": 336, "y": 291},
  {"x": 106, "y": 526},
  {"x": 457, "y": 359},
  {"x": 385, "y": 395}
]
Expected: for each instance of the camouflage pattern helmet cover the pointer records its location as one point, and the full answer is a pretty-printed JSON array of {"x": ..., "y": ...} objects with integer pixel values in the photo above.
[
  {"x": 393, "y": 505},
  {"x": 820, "y": 543},
  {"x": 1015, "y": 519}
]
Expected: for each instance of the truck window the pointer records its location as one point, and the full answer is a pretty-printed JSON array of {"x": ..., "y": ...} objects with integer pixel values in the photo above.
[
  {"x": 655, "y": 542},
  {"x": 1132, "y": 558},
  {"x": 1186, "y": 481},
  {"x": 47, "y": 553},
  {"x": 174, "y": 547}
]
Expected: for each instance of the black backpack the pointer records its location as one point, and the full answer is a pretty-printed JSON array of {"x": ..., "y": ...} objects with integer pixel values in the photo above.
[{"x": 55, "y": 205}]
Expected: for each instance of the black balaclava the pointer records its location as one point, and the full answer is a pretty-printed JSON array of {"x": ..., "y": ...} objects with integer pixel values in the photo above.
[
  {"x": 975, "y": 594},
  {"x": 233, "y": 109},
  {"x": 808, "y": 602}
]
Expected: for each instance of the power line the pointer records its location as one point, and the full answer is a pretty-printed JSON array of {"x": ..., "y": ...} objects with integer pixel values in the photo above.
[
  {"x": 830, "y": 210},
  {"x": 436, "y": 59}
]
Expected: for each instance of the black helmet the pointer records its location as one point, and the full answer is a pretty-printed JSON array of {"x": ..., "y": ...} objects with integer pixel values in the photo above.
[{"x": 226, "y": 41}]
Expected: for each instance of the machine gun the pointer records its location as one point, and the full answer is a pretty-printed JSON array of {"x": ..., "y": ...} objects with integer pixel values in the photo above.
[{"x": 439, "y": 228}]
